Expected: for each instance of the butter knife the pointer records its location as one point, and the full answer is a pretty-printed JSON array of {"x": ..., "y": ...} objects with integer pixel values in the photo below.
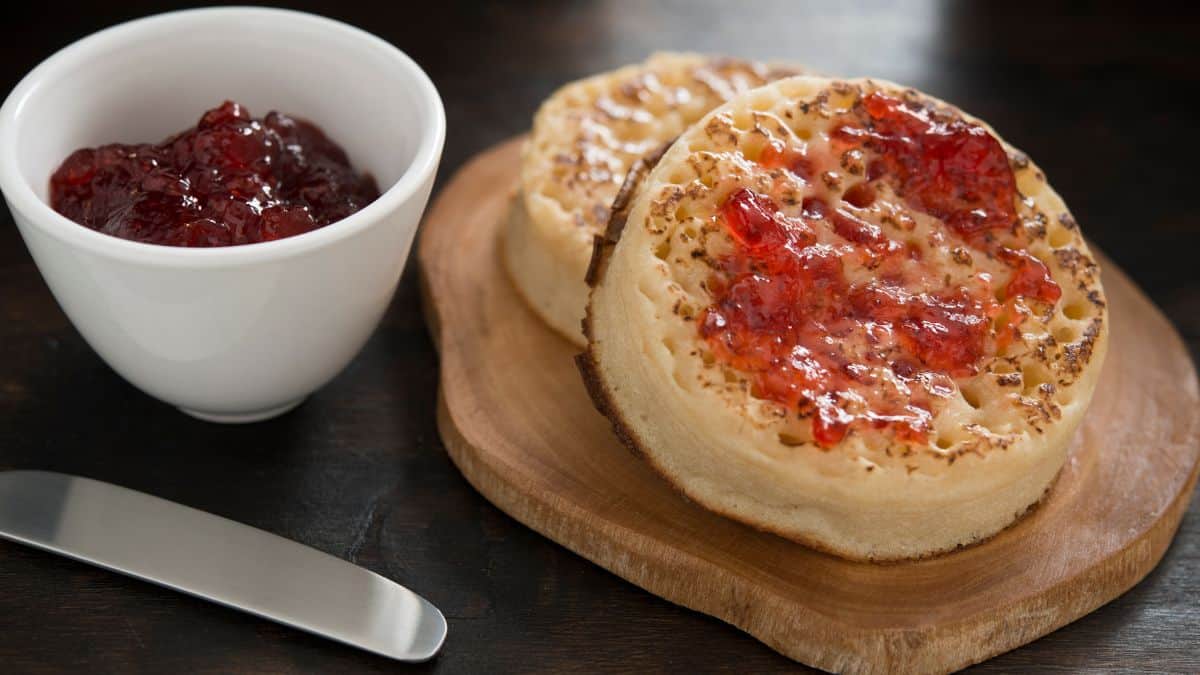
[{"x": 219, "y": 560}]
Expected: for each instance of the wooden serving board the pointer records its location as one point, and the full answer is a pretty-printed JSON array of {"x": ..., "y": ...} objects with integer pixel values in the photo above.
[{"x": 516, "y": 420}]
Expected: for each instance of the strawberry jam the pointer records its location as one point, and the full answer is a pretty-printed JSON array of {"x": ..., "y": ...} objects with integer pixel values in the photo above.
[
  {"x": 232, "y": 179},
  {"x": 954, "y": 171},
  {"x": 1030, "y": 277},
  {"x": 794, "y": 311},
  {"x": 865, "y": 354}
]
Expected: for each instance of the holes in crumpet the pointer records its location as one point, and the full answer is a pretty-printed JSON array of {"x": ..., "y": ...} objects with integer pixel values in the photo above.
[
  {"x": 971, "y": 397},
  {"x": 1059, "y": 236},
  {"x": 844, "y": 99},
  {"x": 1001, "y": 319},
  {"x": 1028, "y": 183},
  {"x": 1075, "y": 310},
  {"x": 743, "y": 119},
  {"x": 860, "y": 195},
  {"x": 789, "y": 440},
  {"x": 1033, "y": 377},
  {"x": 663, "y": 249}
]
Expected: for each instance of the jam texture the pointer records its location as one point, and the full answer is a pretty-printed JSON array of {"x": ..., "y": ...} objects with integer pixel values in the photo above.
[
  {"x": 233, "y": 179},
  {"x": 793, "y": 309}
]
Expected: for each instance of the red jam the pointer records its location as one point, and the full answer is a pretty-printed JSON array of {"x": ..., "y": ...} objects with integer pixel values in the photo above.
[
  {"x": 1030, "y": 277},
  {"x": 873, "y": 353},
  {"x": 232, "y": 179},
  {"x": 954, "y": 171}
]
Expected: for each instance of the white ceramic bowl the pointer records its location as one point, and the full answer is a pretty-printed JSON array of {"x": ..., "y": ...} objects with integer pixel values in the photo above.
[{"x": 239, "y": 333}]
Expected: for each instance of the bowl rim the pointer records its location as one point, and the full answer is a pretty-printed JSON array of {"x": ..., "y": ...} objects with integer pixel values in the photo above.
[{"x": 21, "y": 196}]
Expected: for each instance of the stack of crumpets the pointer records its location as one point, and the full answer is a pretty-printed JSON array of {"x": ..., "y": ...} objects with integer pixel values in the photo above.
[{"x": 842, "y": 311}]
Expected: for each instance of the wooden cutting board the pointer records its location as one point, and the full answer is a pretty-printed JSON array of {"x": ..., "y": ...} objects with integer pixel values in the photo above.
[{"x": 516, "y": 420}]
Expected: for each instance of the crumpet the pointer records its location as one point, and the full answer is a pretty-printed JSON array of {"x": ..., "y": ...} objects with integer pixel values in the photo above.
[
  {"x": 584, "y": 139},
  {"x": 848, "y": 313}
]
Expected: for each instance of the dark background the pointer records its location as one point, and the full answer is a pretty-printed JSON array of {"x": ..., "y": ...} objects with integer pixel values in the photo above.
[{"x": 1104, "y": 102}]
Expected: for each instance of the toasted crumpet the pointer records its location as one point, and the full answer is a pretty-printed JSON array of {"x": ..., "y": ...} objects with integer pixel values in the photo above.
[
  {"x": 809, "y": 317},
  {"x": 584, "y": 139}
]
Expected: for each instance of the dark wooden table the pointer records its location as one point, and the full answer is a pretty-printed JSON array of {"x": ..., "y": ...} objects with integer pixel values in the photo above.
[{"x": 1101, "y": 101}]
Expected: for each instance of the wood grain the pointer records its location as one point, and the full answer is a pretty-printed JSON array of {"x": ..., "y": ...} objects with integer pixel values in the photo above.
[
  {"x": 359, "y": 471},
  {"x": 517, "y": 422}
]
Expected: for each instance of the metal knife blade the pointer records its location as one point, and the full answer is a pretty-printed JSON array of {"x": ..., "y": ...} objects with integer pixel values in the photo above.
[{"x": 219, "y": 560}]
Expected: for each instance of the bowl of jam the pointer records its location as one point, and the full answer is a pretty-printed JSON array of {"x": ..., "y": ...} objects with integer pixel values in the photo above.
[
  {"x": 230, "y": 180},
  {"x": 223, "y": 200}
]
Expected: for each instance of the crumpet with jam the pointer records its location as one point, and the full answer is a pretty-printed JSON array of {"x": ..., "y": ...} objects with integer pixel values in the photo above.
[{"x": 848, "y": 313}]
